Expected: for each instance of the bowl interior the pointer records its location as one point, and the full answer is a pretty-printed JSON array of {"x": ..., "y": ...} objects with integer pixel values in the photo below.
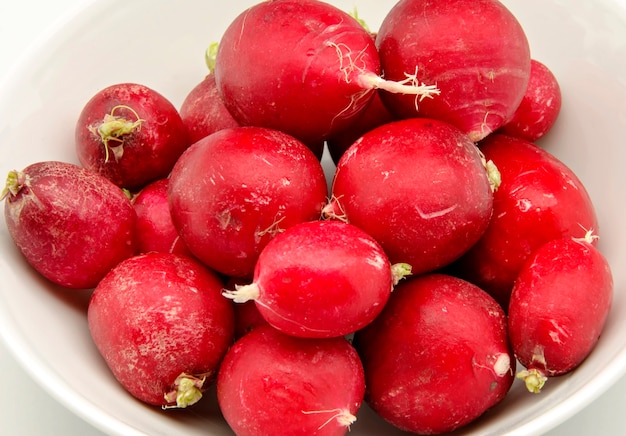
[{"x": 161, "y": 44}]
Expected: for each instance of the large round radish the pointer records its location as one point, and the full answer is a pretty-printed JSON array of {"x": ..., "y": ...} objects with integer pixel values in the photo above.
[
  {"x": 539, "y": 199},
  {"x": 476, "y": 53},
  {"x": 540, "y": 107},
  {"x": 233, "y": 191},
  {"x": 131, "y": 134},
  {"x": 559, "y": 304},
  {"x": 162, "y": 327},
  {"x": 438, "y": 355},
  {"x": 419, "y": 187},
  {"x": 155, "y": 229},
  {"x": 301, "y": 66},
  {"x": 71, "y": 224},
  {"x": 274, "y": 384},
  {"x": 321, "y": 279}
]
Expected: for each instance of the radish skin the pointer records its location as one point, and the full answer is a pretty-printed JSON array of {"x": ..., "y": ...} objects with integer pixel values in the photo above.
[{"x": 559, "y": 305}]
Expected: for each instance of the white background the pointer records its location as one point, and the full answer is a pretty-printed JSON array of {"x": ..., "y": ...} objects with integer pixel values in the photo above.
[{"x": 26, "y": 409}]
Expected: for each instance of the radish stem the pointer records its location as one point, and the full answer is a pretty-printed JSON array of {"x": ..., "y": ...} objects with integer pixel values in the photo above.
[
  {"x": 15, "y": 181},
  {"x": 187, "y": 391},
  {"x": 533, "y": 378},
  {"x": 400, "y": 271}
]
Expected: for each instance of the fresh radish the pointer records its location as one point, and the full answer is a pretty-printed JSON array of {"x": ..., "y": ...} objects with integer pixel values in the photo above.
[
  {"x": 233, "y": 191},
  {"x": 376, "y": 114},
  {"x": 155, "y": 229},
  {"x": 321, "y": 279},
  {"x": 539, "y": 199},
  {"x": 130, "y": 134},
  {"x": 162, "y": 327},
  {"x": 438, "y": 355},
  {"x": 559, "y": 305},
  {"x": 539, "y": 108},
  {"x": 71, "y": 224},
  {"x": 476, "y": 52},
  {"x": 419, "y": 187},
  {"x": 304, "y": 67},
  {"x": 203, "y": 111},
  {"x": 274, "y": 384}
]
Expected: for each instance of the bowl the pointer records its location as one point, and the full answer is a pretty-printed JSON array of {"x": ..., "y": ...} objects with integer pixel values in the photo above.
[{"x": 161, "y": 44}]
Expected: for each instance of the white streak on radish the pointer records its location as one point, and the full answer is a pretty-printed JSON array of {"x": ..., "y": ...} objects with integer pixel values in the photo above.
[
  {"x": 435, "y": 214},
  {"x": 502, "y": 366},
  {"x": 558, "y": 332}
]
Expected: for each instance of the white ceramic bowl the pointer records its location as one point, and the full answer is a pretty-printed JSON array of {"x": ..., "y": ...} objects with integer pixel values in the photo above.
[{"x": 161, "y": 44}]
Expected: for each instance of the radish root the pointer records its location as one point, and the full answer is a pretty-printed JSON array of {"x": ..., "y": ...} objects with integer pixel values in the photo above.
[
  {"x": 242, "y": 293},
  {"x": 343, "y": 417},
  {"x": 334, "y": 211}
]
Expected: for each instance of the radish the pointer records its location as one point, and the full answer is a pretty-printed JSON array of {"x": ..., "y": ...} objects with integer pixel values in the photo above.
[
  {"x": 539, "y": 108},
  {"x": 71, "y": 224},
  {"x": 274, "y": 384},
  {"x": 303, "y": 67},
  {"x": 233, "y": 191},
  {"x": 162, "y": 327},
  {"x": 438, "y": 355},
  {"x": 155, "y": 229},
  {"x": 476, "y": 52},
  {"x": 321, "y": 279},
  {"x": 559, "y": 305},
  {"x": 539, "y": 199},
  {"x": 130, "y": 134},
  {"x": 419, "y": 187},
  {"x": 203, "y": 111}
]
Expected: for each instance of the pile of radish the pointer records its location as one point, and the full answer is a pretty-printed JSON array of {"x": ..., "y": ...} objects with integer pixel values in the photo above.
[{"x": 450, "y": 255}]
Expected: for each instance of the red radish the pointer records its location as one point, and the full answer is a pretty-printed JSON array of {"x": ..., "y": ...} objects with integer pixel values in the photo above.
[
  {"x": 559, "y": 305},
  {"x": 321, "y": 279},
  {"x": 539, "y": 108},
  {"x": 476, "y": 53},
  {"x": 274, "y": 384},
  {"x": 155, "y": 229},
  {"x": 438, "y": 355},
  {"x": 130, "y": 134},
  {"x": 376, "y": 114},
  {"x": 71, "y": 224},
  {"x": 419, "y": 187},
  {"x": 539, "y": 199},
  {"x": 233, "y": 191},
  {"x": 162, "y": 327},
  {"x": 203, "y": 111},
  {"x": 304, "y": 67}
]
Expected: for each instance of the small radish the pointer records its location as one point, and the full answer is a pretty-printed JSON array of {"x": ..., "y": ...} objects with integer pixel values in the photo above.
[
  {"x": 476, "y": 52},
  {"x": 162, "y": 327},
  {"x": 539, "y": 108},
  {"x": 321, "y": 279},
  {"x": 155, "y": 229},
  {"x": 539, "y": 199},
  {"x": 419, "y": 187},
  {"x": 233, "y": 191},
  {"x": 71, "y": 224},
  {"x": 438, "y": 355},
  {"x": 274, "y": 384},
  {"x": 559, "y": 305},
  {"x": 304, "y": 67},
  {"x": 130, "y": 134},
  {"x": 203, "y": 111}
]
